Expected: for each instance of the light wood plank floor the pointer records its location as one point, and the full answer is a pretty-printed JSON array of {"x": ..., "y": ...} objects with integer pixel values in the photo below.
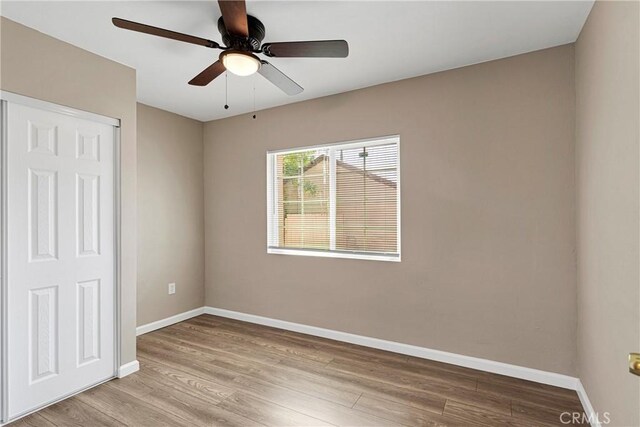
[{"x": 214, "y": 371}]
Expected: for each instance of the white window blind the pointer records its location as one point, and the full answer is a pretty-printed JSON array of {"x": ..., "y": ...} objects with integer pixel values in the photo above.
[{"x": 339, "y": 200}]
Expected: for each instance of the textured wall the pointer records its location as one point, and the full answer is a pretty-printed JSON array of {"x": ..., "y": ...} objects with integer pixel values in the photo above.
[
  {"x": 607, "y": 134},
  {"x": 488, "y": 214},
  {"x": 170, "y": 214}
]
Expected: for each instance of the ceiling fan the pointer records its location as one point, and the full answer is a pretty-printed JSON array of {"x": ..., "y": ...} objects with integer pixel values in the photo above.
[{"x": 242, "y": 35}]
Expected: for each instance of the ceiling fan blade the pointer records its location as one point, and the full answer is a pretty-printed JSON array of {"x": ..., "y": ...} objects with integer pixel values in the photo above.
[
  {"x": 279, "y": 79},
  {"x": 208, "y": 74},
  {"x": 234, "y": 15},
  {"x": 161, "y": 32},
  {"x": 313, "y": 49}
]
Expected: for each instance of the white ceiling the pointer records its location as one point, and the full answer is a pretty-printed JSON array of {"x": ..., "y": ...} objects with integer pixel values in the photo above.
[{"x": 388, "y": 40}]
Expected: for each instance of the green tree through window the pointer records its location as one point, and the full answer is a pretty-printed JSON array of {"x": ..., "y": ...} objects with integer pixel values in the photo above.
[{"x": 294, "y": 164}]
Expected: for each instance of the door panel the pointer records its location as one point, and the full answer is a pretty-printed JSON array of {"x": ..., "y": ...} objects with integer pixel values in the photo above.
[
  {"x": 88, "y": 233},
  {"x": 88, "y": 321},
  {"x": 43, "y": 226},
  {"x": 43, "y": 330},
  {"x": 60, "y": 261}
]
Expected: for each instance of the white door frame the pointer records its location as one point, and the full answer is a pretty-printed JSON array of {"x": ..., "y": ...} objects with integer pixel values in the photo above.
[{"x": 6, "y": 97}]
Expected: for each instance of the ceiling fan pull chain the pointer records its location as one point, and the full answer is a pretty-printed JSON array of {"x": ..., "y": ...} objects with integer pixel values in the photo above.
[
  {"x": 226, "y": 90},
  {"x": 254, "y": 98}
]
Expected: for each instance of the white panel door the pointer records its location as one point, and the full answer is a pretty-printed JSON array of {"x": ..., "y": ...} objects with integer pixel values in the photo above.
[{"x": 60, "y": 260}]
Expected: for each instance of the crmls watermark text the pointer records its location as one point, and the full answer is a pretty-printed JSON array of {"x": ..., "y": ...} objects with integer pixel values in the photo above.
[{"x": 582, "y": 418}]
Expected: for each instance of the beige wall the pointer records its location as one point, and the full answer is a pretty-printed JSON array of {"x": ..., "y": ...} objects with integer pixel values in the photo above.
[
  {"x": 170, "y": 214},
  {"x": 39, "y": 66},
  {"x": 607, "y": 133},
  {"x": 488, "y": 248}
]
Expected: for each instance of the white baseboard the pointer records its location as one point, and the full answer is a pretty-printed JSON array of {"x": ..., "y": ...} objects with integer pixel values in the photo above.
[
  {"x": 169, "y": 321},
  {"x": 515, "y": 371},
  {"x": 128, "y": 369},
  {"x": 586, "y": 405}
]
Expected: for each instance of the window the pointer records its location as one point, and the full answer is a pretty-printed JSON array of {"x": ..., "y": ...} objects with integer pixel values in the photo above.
[{"x": 338, "y": 200}]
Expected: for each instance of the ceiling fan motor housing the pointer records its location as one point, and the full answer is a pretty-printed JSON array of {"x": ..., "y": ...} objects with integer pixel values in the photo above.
[{"x": 252, "y": 43}]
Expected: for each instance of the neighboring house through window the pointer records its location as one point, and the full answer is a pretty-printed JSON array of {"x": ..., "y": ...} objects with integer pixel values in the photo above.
[{"x": 340, "y": 200}]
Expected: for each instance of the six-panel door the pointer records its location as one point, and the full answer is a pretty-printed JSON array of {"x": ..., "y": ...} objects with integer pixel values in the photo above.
[{"x": 60, "y": 261}]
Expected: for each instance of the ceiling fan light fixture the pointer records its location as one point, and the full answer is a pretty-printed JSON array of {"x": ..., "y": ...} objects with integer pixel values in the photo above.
[{"x": 240, "y": 63}]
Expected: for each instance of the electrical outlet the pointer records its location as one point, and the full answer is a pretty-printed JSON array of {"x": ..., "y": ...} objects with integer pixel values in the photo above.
[{"x": 172, "y": 288}]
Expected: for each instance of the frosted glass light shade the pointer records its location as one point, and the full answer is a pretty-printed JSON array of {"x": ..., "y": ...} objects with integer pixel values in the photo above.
[{"x": 240, "y": 63}]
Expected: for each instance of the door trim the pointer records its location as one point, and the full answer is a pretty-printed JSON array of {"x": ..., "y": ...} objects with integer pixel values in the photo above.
[
  {"x": 56, "y": 108},
  {"x": 3, "y": 262},
  {"x": 10, "y": 97}
]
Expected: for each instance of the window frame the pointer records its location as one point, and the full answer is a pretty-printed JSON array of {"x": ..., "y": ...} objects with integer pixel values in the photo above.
[{"x": 272, "y": 208}]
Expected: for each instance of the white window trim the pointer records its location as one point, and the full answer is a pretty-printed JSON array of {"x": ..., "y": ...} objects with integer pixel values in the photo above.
[
  {"x": 272, "y": 209},
  {"x": 332, "y": 199}
]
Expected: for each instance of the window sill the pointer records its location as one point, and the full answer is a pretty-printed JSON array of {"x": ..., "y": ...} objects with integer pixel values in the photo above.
[{"x": 335, "y": 254}]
